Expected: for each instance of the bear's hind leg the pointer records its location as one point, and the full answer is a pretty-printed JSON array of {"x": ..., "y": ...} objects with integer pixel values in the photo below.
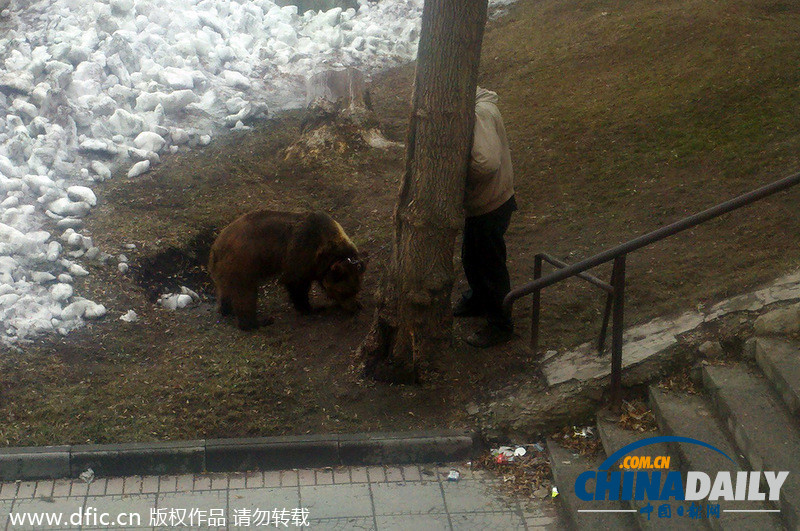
[
  {"x": 245, "y": 306},
  {"x": 224, "y": 304},
  {"x": 298, "y": 293}
]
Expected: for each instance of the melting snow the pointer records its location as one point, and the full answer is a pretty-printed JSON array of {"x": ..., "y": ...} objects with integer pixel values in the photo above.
[{"x": 88, "y": 86}]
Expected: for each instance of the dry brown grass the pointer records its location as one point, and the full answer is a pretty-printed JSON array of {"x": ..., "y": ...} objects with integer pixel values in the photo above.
[{"x": 623, "y": 116}]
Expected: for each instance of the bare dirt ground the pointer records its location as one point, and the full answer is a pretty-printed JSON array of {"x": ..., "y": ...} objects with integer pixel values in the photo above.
[{"x": 622, "y": 118}]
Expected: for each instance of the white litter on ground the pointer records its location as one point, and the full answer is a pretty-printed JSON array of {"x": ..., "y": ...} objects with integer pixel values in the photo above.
[
  {"x": 174, "y": 301},
  {"x": 129, "y": 317},
  {"x": 89, "y": 86}
]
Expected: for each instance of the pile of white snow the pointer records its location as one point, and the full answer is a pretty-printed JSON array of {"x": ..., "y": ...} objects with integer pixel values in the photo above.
[{"x": 89, "y": 86}]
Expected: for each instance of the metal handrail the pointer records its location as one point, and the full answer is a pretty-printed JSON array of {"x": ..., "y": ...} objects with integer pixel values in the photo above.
[{"x": 618, "y": 254}]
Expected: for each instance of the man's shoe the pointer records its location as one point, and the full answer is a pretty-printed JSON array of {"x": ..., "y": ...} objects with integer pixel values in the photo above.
[
  {"x": 468, "y": 308},
  {"x": 489, "y": 336}
]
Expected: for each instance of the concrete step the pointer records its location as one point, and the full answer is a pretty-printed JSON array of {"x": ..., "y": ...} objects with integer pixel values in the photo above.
[
  {"x": 779, "y": 359},
  {"x": 566, "y": 468},
  {"x": 614, "y": 438},
  {"x": 763, "y": 429},
  {"x": 686, "y": 415}
]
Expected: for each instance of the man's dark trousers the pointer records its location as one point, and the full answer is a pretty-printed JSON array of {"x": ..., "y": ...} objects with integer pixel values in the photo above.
[{"x": 483, "y": 255}]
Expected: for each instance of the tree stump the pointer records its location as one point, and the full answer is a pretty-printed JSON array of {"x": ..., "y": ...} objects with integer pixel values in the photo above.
[{"x": 339, "y": 117}]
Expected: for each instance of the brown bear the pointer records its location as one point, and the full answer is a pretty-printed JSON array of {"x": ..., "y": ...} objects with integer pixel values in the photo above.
[{"x": 300, "y": 248}]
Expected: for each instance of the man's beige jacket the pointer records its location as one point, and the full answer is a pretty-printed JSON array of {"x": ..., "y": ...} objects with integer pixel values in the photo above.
[{"x": 490, "y": 180}]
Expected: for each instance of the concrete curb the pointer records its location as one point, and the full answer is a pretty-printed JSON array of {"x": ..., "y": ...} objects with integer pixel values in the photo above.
[{"x": 237, "y": 455}]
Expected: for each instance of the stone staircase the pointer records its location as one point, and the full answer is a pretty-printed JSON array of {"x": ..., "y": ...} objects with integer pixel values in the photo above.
[{"x": 748, "y": 408}]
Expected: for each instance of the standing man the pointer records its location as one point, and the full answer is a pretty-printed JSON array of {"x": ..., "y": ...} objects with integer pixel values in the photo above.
[{"x": 488, "y": 205}]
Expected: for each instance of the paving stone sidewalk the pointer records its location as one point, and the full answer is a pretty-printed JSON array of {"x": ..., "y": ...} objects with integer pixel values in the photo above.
[{"x": 402, "y": 497}]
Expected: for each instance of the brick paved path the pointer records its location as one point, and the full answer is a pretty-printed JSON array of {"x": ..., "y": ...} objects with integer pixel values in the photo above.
[{"x": 404, "y": 497}]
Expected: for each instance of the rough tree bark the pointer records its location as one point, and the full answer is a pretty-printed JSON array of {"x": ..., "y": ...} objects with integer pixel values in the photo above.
[{"x": 414, "y": 320}]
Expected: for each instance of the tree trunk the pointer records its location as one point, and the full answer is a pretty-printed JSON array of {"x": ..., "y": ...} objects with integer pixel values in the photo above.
[{"x": 414, "y": 320}]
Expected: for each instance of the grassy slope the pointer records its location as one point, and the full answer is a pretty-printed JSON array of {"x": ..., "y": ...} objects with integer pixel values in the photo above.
[
  {"x": 629, "y": 115},
  {"x": 623, "y": 116}
]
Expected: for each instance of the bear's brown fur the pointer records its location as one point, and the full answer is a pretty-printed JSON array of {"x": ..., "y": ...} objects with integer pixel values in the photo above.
[{"x": 299, "y": 248}]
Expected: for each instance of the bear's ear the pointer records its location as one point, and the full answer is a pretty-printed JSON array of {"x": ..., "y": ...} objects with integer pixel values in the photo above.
[{"x": 337, "y": 267}]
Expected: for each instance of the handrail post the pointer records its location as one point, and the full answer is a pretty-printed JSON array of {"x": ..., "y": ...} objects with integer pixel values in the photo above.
[
  {"x": 618, "y": 254},
  {"x": 601, "y": 344},
  {"x": 535, "y": 305},
  {"x": 618, "y": 281}
]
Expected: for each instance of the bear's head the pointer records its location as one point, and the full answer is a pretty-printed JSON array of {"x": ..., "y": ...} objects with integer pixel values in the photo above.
[{"x": 342, "y": 282}]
